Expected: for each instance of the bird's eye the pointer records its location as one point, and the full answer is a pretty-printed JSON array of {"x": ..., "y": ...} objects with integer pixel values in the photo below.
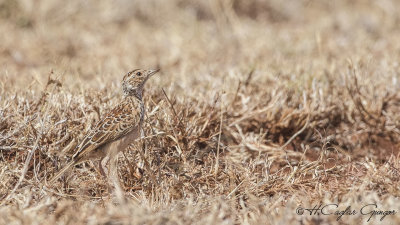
[{"x": 139, "y": 74}]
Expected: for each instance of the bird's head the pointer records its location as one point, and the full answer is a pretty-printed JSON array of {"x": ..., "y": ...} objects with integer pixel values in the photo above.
[{"x": 133, "y": 82}]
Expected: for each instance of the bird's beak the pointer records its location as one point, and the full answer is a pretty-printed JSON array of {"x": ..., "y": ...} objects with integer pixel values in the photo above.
[
  {"x": 152, "y": 72},
  {"x": 149, "y": 74}
]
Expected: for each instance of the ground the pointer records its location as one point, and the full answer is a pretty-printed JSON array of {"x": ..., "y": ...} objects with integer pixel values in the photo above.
[{"x": 264, "y": 112}]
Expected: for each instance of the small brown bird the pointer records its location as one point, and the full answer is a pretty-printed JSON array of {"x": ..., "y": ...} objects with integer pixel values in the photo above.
[{"x": 119, "y": 128}]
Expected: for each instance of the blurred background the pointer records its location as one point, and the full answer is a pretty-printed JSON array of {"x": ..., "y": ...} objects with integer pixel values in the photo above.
[{"x": 92, "y": 43}]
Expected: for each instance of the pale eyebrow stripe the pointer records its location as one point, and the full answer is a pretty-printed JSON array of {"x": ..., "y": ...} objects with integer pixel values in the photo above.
[{"x": 130, "y": 73}]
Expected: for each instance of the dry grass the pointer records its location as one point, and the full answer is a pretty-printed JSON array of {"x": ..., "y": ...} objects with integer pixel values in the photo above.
[{"x": 261, "y": 107}]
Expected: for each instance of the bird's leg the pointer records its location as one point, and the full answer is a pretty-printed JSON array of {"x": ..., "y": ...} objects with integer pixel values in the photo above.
[
  {"x": 102, "y": 165},
  {"x": 105, "y": 172},
  {"x": 114, "y": 180},
  {"x": 101, "y": 169}
]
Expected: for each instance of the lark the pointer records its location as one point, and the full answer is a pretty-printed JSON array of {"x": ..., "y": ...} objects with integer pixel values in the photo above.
[{"x": 116, "y": 131}]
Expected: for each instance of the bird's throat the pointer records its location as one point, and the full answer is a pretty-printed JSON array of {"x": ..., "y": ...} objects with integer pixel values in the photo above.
[{"x": 137, "y": 104}]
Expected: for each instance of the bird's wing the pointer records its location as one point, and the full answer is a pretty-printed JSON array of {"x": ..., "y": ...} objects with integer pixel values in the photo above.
[{"x": 117, "y": 123}]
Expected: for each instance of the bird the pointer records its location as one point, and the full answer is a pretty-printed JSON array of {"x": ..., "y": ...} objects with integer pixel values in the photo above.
[{"x": 116, "y": 131}]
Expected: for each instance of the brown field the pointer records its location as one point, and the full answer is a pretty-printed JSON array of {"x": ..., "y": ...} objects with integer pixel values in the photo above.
[{"x": 261, "y": 107}]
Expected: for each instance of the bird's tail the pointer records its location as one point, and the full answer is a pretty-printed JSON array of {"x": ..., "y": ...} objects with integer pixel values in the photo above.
[{"x": 62, "y": 171}]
